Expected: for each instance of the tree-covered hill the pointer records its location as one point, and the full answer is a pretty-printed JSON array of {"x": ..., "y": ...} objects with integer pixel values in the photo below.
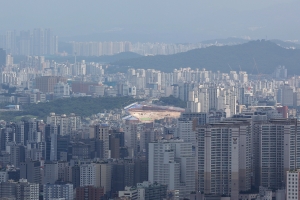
[
  {"x": 266, "y": 54},
  {"x": 171, "y": 101},
  {"x": 83, "y": 106}
]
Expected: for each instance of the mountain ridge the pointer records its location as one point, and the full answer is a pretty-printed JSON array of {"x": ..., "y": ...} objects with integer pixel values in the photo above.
[{"x": 266, "y": 54}]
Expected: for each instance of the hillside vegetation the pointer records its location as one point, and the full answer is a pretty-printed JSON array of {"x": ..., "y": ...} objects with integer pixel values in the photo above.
[
  {"x": 171, "y": 101},
  {"x": 83, "y": 106}
]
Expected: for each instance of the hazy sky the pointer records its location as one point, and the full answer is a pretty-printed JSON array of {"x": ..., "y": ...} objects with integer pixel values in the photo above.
[{"x": 155, "y": 20}]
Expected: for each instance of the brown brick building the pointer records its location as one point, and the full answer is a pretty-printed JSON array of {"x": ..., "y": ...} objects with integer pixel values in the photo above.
[
  {"x": 89, "y": 193},
  {"x": 46, "y": 83}
]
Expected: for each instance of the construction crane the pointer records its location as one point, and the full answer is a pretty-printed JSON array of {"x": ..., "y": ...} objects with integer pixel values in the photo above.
[
  {"x": 240, "y": 67},
  {"x": 230, "y": 67}
]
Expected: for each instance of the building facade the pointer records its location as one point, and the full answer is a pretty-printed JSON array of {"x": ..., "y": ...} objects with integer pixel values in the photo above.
[{"x": 171, "y": 162}]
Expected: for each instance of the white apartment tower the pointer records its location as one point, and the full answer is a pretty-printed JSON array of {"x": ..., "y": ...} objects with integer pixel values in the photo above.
[
  {"x": 89, "y": 174},
  {"x": 26, "y": 190},
  {"x": 58, "y": 191},
  {"x": 186, "y": 129},
  {"x": 97, "y": 175},
  {"x": 203, "y": 98},
  {"x": 293, "y": 185},
  {"x": 67, "y": 123},
  {"x": 171, "y": 162},
  {"x": 61, "y": 90},
  {"x": 193, "y": 103}
]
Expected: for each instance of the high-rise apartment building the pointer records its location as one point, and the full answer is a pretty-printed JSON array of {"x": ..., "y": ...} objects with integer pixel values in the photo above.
[
  {"x": 43, "y": 42},
  {"x": 3, "y": 176},
  {"x": 131, "y": 134},
  {"x": 186, "y": 129},
  {"x": 147, "y": 135},
  {"x": 64, "y": 171},
  {"x": 17, "y": 153},
  {"x": 7, "y": 136},
  {"x": 8, "y": 189},
  {"x": 27, "y": 190},
  {"x": 76, "y": 178},
  {"x": 37, "y": 42},
  {"x": 293, "y": 185},
  {"x": 25, "y": 43},
  {"x": 213, "y": 93},
  {"x": 19, "y": 190},
  {"x": 141, "y": 169},
  {"x": 61, "y": 90},
  {"x": 58, "y": 191},
  {"x": 2, "y": 57},
  {"x": 200, "y": 117},
  {"x": 114, "y": 145},
  {"x": 50, "y": 172},
  {"x": 96, "y": 174},
  {"x": 278, "y": 153},
  {"x": 224, "y": 158},
  {"x": 102, "y": 134},
  {"x": 203, "y": 98},
  {"x": 285, "y": 95},
  {"x": 89, "y": 175},
  {"x": 66, "y": 124},
  {"x": 31, "y": 171},
  {"x": 122, "y": 174},
  {"x": 105, "y": 176},
  {"x": 50, "y": 137},
  {"x": 171, "y": 162}
]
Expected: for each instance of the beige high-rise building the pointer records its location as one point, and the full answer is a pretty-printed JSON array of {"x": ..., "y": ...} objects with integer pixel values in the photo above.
[
  {"x": 105, "y": 176},
  {"x": 224, "y": 158}
]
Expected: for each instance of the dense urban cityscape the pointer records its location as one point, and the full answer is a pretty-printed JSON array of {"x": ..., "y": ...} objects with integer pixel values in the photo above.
[
  {"x": 150, "y": 100},
  {"x": 186, "y": 134}
]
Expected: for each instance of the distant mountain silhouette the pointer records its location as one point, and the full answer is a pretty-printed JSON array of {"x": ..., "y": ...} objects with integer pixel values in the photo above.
[{"x": 266, "y": 54}]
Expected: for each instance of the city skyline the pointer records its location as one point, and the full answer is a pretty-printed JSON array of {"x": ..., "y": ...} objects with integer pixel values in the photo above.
[{"x": 219, "y": 143}]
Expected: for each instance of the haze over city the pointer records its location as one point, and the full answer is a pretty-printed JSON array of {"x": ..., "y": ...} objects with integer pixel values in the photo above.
[{"x": 155, "y": 21}]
